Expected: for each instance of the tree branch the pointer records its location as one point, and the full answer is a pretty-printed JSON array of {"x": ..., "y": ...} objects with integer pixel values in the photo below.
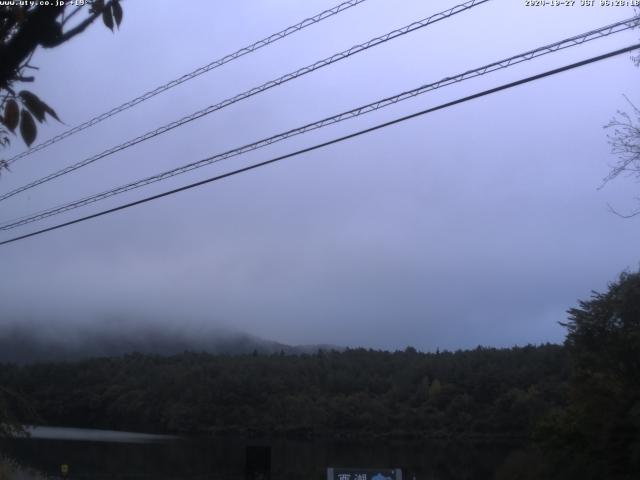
[
  {"x": 68, "y": 17},
  {"x": 625, "y": 143},
  {"x": 634, "y": 213},
  {"x": 38, "y": 28},
  {"x": 81, "y": 27}
]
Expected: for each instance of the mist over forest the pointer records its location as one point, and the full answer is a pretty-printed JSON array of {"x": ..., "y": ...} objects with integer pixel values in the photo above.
[{"x": 46, "y": 341}]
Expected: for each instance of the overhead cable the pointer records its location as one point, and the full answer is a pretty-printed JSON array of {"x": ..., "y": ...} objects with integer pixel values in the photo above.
[
  {"x": 331, "y": 142},
  {"x": 491, "y": 67},
  {"x": 195, "y": 73},
  {"x": 256, "y": 90}
]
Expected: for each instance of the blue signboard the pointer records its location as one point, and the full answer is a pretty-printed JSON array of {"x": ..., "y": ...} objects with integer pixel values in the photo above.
[{"x": 364, "y": 473}]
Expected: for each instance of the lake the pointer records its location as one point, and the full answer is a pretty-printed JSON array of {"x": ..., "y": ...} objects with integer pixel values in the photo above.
[{"x": 102, "y": 454}]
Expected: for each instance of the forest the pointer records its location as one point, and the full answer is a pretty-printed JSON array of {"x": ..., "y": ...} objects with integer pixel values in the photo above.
[
  {"x": 355, "y": 392},
  {"x": 576, "y": 406}
]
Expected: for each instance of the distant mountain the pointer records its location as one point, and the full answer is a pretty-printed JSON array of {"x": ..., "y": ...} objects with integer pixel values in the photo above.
[{"x": 30, "y": 343}]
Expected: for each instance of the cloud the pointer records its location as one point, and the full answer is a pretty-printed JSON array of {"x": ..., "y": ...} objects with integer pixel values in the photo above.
[{"x": 479, "y": 224}]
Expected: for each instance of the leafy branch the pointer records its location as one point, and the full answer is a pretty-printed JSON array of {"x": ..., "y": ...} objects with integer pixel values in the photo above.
[{"x": 22, "y": 30}]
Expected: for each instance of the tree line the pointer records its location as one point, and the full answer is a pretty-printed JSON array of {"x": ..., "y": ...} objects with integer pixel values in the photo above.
[
  {"x": 356, "y": 392},
  {"x": 576, "y": 407}
]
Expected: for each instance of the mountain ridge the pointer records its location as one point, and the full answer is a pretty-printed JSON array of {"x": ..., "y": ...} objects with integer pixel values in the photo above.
[{"x": 26, "y": 343}]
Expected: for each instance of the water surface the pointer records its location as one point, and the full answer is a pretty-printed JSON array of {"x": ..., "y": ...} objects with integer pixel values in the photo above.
[
  {"x": 91, "y": 435},
  {"x": 101, "y": 454}
]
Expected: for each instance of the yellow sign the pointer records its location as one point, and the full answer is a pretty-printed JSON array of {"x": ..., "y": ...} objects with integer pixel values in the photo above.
[{"x": 64, "y": 469}]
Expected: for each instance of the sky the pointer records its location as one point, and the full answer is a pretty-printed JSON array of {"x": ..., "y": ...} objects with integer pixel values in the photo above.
[{"x": 479, "y": 224}]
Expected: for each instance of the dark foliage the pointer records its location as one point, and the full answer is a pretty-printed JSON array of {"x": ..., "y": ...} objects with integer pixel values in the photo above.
[
  {"x": 24, "y": 27},
  {"x": 600, "y": 428},
  {"x": 483, "y": 392}
]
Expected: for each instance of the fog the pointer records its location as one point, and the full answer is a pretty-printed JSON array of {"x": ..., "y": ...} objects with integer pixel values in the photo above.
[{"x": 478, "y": 224}]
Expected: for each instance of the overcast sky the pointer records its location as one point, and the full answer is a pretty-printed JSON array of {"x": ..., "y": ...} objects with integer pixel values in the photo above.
[{"x": 478, "y": 224}]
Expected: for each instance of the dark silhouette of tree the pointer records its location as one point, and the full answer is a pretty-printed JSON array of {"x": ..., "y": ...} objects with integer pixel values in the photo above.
[
  {"x": 598, "y": 434},
  {"x": 9, "y": 424},
  {"x": 15, "y": 409},
  {"x": 24, "y": 28}
]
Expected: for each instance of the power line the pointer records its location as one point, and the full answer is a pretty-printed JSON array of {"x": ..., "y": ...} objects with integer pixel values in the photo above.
[
  {"x": 334, "y": 141},
  {"x": 501, "y": 64},
  {"x": 195, "y": 73},
  {"x": 256, "y": 90}
]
